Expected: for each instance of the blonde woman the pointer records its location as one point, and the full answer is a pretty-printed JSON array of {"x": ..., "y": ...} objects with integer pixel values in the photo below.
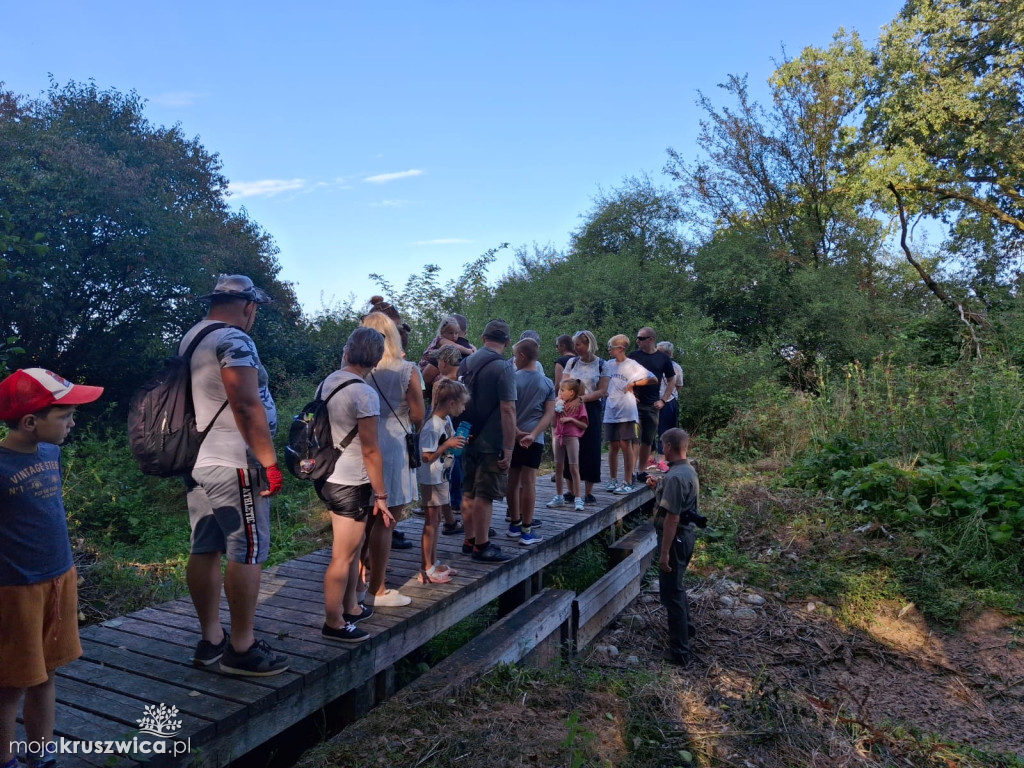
[{"x": 397, "y": 383}]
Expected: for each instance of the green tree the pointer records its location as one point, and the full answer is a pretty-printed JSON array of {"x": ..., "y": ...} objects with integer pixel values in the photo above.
[
  {"x": 135, "y": 225},
  {"x": 945, "y": 110}
]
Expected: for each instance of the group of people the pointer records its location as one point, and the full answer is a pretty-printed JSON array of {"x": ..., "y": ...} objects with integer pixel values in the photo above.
[{"x": 482, "y": 441}]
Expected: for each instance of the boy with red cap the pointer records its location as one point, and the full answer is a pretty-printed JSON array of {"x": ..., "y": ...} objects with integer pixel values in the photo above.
[{"x": 38, "y": 582}]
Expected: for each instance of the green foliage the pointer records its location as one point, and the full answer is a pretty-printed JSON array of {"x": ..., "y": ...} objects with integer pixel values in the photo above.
[
  {"x": 135, "y": 225},
  {"x": 944, "y": 108}
]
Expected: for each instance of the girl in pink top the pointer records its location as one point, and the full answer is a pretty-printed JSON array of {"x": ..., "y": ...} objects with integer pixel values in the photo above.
[{"x": 571, "y": 422}]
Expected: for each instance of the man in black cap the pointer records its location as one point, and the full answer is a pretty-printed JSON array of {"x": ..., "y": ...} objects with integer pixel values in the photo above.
[
  {"x": 492, "y": 415},
  {"x": 235, "y": 473}
]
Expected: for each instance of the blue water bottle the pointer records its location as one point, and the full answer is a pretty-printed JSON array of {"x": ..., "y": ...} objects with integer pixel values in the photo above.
[{"x": 463, "y": 432}]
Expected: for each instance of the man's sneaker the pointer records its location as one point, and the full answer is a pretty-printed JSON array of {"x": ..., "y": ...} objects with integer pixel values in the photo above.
[
  {"x": 556, "y": 502},
  {"x": 491, "y": 554},
  {"x": 590, "y": 500},
  {"x": 579, "y": 504},
  {"x": 259, "y": 661},
  {"x": 536, "y": 523},
  {"x": 365, "y": 612},
  {"x": 207, "y": 653},
  {"x": 612, "y": 486},
  {"x": 515, "y": 531},
  {"x": 624, "y": 490},
  {"x": 350, "y": 633},
  {"x": 467, "y": 547},
  {"x": 529, "y": 538}
]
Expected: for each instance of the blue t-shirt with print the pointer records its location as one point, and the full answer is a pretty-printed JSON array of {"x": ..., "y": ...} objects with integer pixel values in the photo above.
[{"x": 34, "y": 544}]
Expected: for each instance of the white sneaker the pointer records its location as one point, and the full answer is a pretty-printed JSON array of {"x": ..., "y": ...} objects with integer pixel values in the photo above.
[
  {"x": 623, "y": 490},
  {"x": 612, "y": 486},
  {"x": 556, "y": 502},
  {"x": 391, "y": 598},
  {"x": 579, "y": 503}
]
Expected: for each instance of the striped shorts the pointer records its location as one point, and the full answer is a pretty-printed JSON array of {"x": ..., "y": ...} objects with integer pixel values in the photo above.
[{"x": 227, "y": 513}]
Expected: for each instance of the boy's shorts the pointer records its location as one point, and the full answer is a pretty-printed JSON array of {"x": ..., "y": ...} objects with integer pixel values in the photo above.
[
  {"x": 228, "y": 514},
  {"x": 481, "y": 477},
  {"x": 620, "y": 431},
  {"x": 435, "y": 495},
  {"x": 527, "y": 457},
  {"x": 38, "y": 630},
  {"x": 354, "y": 501}
]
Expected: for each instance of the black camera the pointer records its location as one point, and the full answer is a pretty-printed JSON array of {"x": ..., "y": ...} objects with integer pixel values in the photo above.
[{"x": 693, "y": 517}]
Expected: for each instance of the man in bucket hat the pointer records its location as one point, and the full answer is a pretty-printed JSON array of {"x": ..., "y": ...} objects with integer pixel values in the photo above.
[{"x": 235, "y": 473}]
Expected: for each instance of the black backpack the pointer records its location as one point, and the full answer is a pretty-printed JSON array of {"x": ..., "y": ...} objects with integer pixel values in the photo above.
[
  {"x": 310, "y": 453},
  {"x": 162, "y": 428}
]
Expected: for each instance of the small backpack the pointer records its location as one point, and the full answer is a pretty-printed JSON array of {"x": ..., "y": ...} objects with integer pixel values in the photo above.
[
  {"x": 162, "y": 428},
  {"x": 310, "y": 453}
]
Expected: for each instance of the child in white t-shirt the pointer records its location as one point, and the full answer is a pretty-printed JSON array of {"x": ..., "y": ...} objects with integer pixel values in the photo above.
[{"x": 437, "y": 440}]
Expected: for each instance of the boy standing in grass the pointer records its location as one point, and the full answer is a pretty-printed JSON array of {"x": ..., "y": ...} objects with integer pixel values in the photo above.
[{"x": 38, "y": 581}]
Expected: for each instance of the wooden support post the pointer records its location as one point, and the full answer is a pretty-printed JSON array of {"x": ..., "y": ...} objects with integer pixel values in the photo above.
[{"x": 514, "y": 596}]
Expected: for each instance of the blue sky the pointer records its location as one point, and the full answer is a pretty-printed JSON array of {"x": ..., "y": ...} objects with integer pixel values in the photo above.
[{"x": 379, "y": 137}]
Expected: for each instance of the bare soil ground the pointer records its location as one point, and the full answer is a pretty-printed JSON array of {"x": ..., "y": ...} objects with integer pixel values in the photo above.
[{"x": 787, "y": 688}]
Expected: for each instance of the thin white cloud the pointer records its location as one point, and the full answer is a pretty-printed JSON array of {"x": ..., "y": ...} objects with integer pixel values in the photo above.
[
  {"x": 443, "y": 241},
  {"x": 178, "y": 98},
  {"x": 390, "y": 204},
  {"x": 265, "y": 187},
  {"x": 383, "y": 178}
]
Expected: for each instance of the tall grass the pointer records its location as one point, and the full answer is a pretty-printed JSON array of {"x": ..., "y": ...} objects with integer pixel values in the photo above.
[{"x": 957, "y": 412}]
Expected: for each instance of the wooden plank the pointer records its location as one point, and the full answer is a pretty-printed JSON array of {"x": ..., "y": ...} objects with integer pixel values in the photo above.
[
  {"x": 597, "y": 606},
  {"x": 637, "y": 538},
  {"x": 123, "y": 708},
  {"x": 257, "y": 693},
  {"x": 505, "y": 642},
  {"x": 206, "y": 706}
]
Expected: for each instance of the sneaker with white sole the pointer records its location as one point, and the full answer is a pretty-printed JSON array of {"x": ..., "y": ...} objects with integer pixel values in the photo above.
[
  {"x": 390, "y": 598},
  {"x": 556, "y": 502},
  {"x": 529, "y": 538},
  {"x": 349, "y": 633},
  {"x": 623, "y": 490},
  {"x": 614, "y": 484},
  {"x": 515, "y": 531},
  {"x": 207, "y": 653},
  {"x": 579, "y": 504},
  {"x": 259, "y": 661}
]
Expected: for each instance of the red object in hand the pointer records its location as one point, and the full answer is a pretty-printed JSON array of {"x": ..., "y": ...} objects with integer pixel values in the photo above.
[{"x": 275, "y": 479}]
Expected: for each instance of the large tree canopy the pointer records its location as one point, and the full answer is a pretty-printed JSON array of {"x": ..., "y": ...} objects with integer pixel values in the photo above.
[{"x": 128, "y": 224}]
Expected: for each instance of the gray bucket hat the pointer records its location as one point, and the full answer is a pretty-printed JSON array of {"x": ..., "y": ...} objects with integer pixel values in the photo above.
[{"x": 239, "y": 286}]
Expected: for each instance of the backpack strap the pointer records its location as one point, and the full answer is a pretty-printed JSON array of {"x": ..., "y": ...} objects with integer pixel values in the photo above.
[
  {"x": 202, "y": 334},
  {"x": 355, "y": 430}
]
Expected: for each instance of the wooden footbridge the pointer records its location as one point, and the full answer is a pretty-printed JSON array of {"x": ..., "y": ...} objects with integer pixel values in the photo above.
[{"x": 138, "y": 667}]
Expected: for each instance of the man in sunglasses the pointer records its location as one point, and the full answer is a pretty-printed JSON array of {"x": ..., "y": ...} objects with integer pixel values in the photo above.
[{"x": 649, "y": 402}]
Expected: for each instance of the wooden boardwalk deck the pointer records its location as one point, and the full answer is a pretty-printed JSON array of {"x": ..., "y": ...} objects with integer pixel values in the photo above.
[{"x": 144, "y": 659}]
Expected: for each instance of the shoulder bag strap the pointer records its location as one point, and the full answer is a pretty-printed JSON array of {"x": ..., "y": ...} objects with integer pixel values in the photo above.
[{"x": 389, "y": 405}]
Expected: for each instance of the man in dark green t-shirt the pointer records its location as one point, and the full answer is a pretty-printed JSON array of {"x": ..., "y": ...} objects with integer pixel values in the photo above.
[{"x": 677, "y": 506}]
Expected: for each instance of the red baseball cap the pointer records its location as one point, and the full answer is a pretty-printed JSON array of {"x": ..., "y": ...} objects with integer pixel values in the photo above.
[{"x": 31, "y": 389}]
